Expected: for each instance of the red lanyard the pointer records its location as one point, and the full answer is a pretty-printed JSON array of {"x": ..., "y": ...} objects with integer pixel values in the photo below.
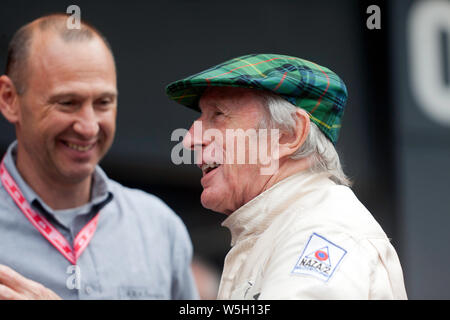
[{"x": 46, "y": 228}]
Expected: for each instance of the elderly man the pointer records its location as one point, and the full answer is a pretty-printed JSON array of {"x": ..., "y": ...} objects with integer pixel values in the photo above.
[
  {"x": 64, "y": 225},
  {"x": 298, "y": 232}
]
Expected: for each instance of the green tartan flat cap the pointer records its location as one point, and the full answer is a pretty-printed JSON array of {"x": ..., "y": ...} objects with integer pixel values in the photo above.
[{"x": 305, "y": 84}]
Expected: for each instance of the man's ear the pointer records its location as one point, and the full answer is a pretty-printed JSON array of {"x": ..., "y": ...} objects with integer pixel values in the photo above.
[
  {"x": 9, "y": 100},
  {"x": 290, "y": 142}
]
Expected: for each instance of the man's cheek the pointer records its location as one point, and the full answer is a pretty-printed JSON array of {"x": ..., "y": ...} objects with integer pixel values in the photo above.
[{"x": 233, "y": 177}]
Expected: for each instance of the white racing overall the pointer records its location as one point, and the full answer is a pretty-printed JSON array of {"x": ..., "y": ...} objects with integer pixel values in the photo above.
[{"x": 308, "y": 238}]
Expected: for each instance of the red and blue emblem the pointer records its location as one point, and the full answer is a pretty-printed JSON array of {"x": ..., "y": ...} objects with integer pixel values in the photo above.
[
  {"x": 319, "y": 258},
  {"x": 321, "y": 255}
]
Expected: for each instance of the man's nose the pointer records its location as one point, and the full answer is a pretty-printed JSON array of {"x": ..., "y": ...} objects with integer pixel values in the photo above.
[
  {"x": 194, "y": 137},
  {"x": 86, "y": 123}
]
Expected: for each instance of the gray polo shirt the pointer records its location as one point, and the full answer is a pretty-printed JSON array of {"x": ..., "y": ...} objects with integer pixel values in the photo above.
[{"x": 140, "y": 250}]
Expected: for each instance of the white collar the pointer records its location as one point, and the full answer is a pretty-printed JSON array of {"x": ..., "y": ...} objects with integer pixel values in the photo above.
[{"x": 255, "y": 216}]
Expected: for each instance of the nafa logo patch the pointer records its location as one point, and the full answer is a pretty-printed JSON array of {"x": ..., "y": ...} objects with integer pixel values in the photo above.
[{"x": 320, "y": 258}]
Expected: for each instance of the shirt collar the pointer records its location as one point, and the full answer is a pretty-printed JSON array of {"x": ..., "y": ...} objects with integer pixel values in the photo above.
[
  {"x": 10, "y": 165},
  {"x": 255, "y": 216},
  {"x": 100, "y": 193}
]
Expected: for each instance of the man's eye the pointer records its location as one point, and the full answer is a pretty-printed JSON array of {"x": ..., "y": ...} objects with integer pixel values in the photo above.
[
  {"x": 218, "y": 113},
  {"x": 103, "y": 103},
  {"x": 67, "y": 103}
]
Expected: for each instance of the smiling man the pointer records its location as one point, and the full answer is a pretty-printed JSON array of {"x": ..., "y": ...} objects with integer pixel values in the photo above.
[
  {"x": 298, "y": 231},
  {"x": 66, "y": 230}
]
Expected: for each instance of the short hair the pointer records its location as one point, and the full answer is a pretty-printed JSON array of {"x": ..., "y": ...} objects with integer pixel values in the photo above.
[
  {"x": 324, "y": 158},
  {"x": 20, "y": 44}
]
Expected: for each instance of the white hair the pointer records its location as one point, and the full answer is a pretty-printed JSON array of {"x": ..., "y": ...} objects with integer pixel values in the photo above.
[{"x": 321, "y": 151}]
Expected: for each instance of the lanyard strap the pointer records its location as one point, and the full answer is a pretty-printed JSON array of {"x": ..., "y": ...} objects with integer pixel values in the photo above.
[{"x": 44, "y": 226}]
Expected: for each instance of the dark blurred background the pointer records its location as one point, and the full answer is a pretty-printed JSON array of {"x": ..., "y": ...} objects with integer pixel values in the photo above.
[{"x": 395, "y": 141}]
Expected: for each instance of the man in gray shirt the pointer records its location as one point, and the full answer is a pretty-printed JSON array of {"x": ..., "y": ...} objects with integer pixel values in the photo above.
[{"x": 66, "y": 230}]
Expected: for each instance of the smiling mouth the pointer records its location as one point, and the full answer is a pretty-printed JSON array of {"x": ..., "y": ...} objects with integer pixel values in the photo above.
[
  {"x": 208, "y": 167},
  {"x": 78, "y": 147}
]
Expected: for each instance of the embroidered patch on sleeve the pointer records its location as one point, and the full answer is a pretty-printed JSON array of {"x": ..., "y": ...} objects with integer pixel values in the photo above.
[{"x": 320, "y": 258}]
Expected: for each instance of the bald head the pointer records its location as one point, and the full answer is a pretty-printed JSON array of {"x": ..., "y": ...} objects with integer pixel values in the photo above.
[{"x": 21, "y": 45}]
